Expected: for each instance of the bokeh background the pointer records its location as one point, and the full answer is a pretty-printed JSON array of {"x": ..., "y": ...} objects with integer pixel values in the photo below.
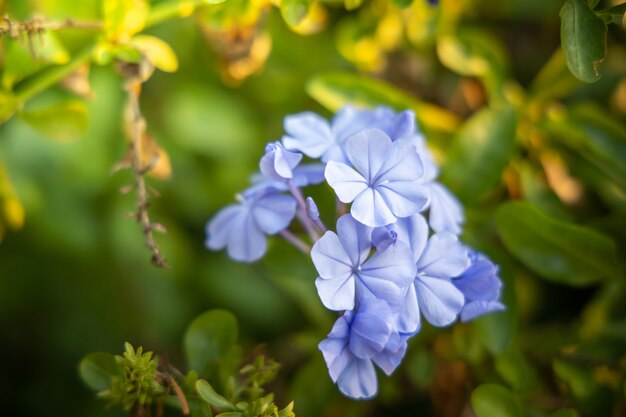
[{"x": 76, "y": 277}]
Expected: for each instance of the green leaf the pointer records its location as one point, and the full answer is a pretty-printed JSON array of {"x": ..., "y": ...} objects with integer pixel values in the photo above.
[
  {"x": 566, "y": 412},
  {"x": 209, "y": 342},
  {"x": 335, "y": 90},
  {"x": 294, "y": 11},
  {"x": 583, "y": 38},
  {"x": 124, "y": 18},
  {"x": 491, "y": 400},
  {"x": 557, "y": 251},
  {"x": 230, "y": 414},
  {"x": 613, "y": 14},
  {"x": 480, "y": 152},
  {"x": 97, "y": 369},
  {"x": 516, "y": 370},
  {"x": 554, "y": 80},
  {"x": 353, "y": 4},
  {"x": 63, "y": 121},
  {"x": 209, "y": 395},
  {"x": 402, "y": 3}
]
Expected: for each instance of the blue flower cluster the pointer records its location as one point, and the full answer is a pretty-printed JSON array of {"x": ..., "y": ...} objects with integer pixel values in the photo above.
[{"x": 394, "y": 259}]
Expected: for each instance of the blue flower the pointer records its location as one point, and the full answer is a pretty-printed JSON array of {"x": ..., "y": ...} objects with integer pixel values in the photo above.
[
  {"x": 303, "y": 175},
  {"x": 481, "y": 286},
  {"x": 312, "y": 135},
  {"x": 357, "y": 341},
  {"x": 439, "y": 259},
  {"x": 384, "y": 183},
  {"x": 241, "y": 228},
  {"x": 346, "y": 274},
  {"x": 445, "y": 212},
  {"x": 278, "y": 163}
]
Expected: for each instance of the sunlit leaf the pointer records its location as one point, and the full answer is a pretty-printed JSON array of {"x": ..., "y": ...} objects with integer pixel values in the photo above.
[
  {"x": 335, "y": 90},
  {"x": 558, "y": 251},
  {"x": 97, "y": 370},
  {"x": 63, "y": 121},
  {"x": 554, "y": 80},
  {"x": 8, "y": 106},
  {"x": 480, "y": 152},
  {"x": 491, "y": 400},
  {"x": 124, "y": 18},
  {"x": 583, "y": 39},
  {"x": 158, "y": 52},
  {"x": 294, "y": 11}
]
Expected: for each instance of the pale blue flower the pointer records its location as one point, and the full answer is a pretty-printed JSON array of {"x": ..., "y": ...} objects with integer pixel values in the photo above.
[
  {"x": 303, "y": 175},
  {"x": 357, "y": 341},
  {"x": 347, "y": 274},
  {"x": 481, "y": 286},
  {"x": 241, "y": 228},
  {"x": 384, "y": 183},
  {"x": 439, "y": 260},
  {"x": 278, "y": 163}
]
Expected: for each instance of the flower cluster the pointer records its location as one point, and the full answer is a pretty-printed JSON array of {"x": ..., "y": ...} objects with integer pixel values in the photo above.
[{"x": 395, "y": 257}]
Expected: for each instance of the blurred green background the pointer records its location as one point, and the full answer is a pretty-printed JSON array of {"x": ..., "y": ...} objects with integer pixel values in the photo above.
[{"x": 76, "y": 278}]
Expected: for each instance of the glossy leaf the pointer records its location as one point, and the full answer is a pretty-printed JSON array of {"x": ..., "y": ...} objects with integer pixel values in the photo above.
[
  {"x": 491, "y": 400},
  {"x": 583, "y": 39},
  {"x": 63, "y": 121},
  {"x": 480, "y": 152},
  {"x": 335, "y": 90},
  {"x": 97, "y": 369},
  {"x": 208, "y": 394},
  {"x": 209, "y": 341},
  {"x": 556, "y": 250}
]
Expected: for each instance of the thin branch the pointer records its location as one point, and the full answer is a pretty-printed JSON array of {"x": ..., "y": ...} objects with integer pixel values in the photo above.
[
  {"x": 34, "y": 26},
  {"x": 138, "y": 127}
]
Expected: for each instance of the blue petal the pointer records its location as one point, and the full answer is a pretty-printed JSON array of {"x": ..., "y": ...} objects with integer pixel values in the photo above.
[
  {"x": 409, "y": 321},
  {"x": 349, "y": 121},
  {"x": 371, "y": 209},
  {"x": 336, "y": 294},
  {"x": 346, "y": 182},
  {"x": 389, "y": 359},
  {"x": 308, "y": 133},
  {"x": 278, "y": 163},
  {"x": 480, "y": 281},
  {"x": 446, "y": 212},
  {"x": 403, "y": 198},
  {"x": 358, "y": 379},
  {"x": 307, "y": 174},
  {"x": 367, "y": 150},
  {"x": 387, "y": 275},
  {"x": 400, "y": 163},
  {"x": 355, "y": 239},
  {"x": 246, "y": 242},
  {"x": 274, "y": 212},
  {"x": 444, "y": 256},
  {"x": 371, "y": 328},
  {"x": 476, "y": 309},
  {"x": 439, "y": 300},
  {"x": 335, "y": 347},
  {"x": 414, "y": 232},
  {"x": 220, "y": 227}
]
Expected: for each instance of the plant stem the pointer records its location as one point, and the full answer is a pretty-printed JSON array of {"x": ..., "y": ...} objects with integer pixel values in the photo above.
[
  {"x": 301, "y": 212},
  {"x": 296, "y": 241}
]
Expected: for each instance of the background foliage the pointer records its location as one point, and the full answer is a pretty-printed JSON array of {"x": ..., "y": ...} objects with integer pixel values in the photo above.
[{"x": 536, "y": 153}]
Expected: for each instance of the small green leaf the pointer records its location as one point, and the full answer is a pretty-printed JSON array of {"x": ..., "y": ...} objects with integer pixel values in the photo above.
[
  {"x": 209, "y": 395},
  {"x": 97, "y": 369},
  {"x": 294, "y": 11},
  {"x": 613, "y": 14},
  {"x": 209, "y": 342},
  {"x": 558, "y": 251},
  {"x": 583, "y": 37},
  {"x": 63, "y": 121},
  {"x": 335, "y": 90},
  {"x": 491, "y": 400},
  {"x": 480, "y": 152}
]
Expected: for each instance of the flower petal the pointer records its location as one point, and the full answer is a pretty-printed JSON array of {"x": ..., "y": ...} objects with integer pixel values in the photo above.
[
  {"x": 367, "y": 150},
  {"x": 439, "y": 300},
  {"x": 476, "y": 309},
  {"x": 403, "y": 198},
  {"x": 480, "y": 281},
  {"x": 358, "y": 380},
  {"x": 413, "y": 231},
  {"x": 246, "y": 242},
  {"x": 220, "y": 227},
  {"x": 330, "y": 258},
  {"x": 308, "y": 133},
  {"x": 274, "y": 212},
  {"x": 346, "y": 182},
  {"x": 409, "y": 321},
  {"x": 371, "y": 209},
  {"x": 444, "y": 256},
  {"x": 446, "y": 212},
  {"x": 336, "y": 294},
  {"x": 355, "y": 239}
]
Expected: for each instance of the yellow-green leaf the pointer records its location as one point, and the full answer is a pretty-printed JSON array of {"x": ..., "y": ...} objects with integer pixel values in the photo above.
[
  {"x": 124, "y": 18},
  {"x": 158, "y": 52},
  {"x": 63, "y": 121}
]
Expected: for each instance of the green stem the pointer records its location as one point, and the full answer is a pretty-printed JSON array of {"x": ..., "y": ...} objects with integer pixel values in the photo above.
[{"x": 174, "y": 9}]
